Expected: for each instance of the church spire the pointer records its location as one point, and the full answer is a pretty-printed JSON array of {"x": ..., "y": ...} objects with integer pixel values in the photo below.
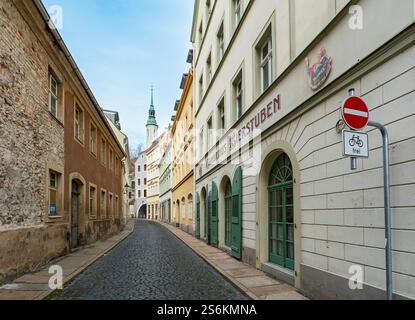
[
  {"x": 152, "y": 112},
  {"x": 152, "y": 126}
]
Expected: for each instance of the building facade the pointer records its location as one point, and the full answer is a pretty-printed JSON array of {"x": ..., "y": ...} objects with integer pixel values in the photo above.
[
  {"x": 272, "y": 185},
  {"x": 183, "y": 159},
  {"x": 141, "y": 186},
  {"x": 113, "y": 118},
  {"x": 166, "y": 178},
  {"x": 50, "y": 125}
]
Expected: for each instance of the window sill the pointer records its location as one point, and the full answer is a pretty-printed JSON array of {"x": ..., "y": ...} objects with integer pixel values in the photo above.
[
  {"x": 60, "y": 122},
  {"x": 55, "y": 218}
]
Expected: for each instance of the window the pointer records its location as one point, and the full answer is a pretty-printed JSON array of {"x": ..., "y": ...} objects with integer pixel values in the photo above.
[
  {"x": 220, "y": 38},
  {"x": 201, "y": 88},
  {"x": 139, "y": 168},
  {"x": 103, "y": 151},
  {"x": 190, "y": 207},
  {"x": 111, "y": 160},
  {"x": 139, "y": 193},
  {"x": 93, "y": 140},
  {"x": 53, "y": 193},
  {"x": 238, "y": 11},
  {"x": 53, "y": 96},
  {"x": 111, "y": 205},
  {"x": 183, "y": 217},
  {"x": 103, "y": 204},
  {"x": 221, "y": 116},
  {"x": 116, "y": 212},
  {"x": 92, "y": 202},
  {"x": 200, "y": 34},
  {"x": 209, "y": 69},
  {"x": 79, "y": 123},
  {"x": 145, "y": 167},
  {"x": 117, "y": 163},
  {"x": 266, "y": 64},
  {"x": 139, "y": 182},
  {"x": 209, "y": 133},
  {"x": 238, "y": 96},
  {"x": 208, "y": 10},
  {"x": 145, "y": 193},
  {"x": 145, "y": 181},
  {"x": 201, "y": 146}
]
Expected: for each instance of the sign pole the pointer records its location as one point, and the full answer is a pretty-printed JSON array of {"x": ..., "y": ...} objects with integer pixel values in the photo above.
[
  {"x": 388, "y": 214},
  {"x": 353, "y": 160}
]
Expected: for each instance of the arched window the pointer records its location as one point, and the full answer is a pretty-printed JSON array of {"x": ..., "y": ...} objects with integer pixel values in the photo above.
[
  {"x": 183, "y": 210},
  {"x": 228, "y": 215},
  {"x": 190, "y": 207},
  {"x": 281, "y": 213}
]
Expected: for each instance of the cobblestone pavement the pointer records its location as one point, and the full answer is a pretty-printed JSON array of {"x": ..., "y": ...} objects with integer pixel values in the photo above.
[{"x": 152, "y": 264}]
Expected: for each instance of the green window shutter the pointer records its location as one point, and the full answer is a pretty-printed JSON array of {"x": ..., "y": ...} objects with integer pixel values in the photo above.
[
  {"x": 197, "y": 232},
  {"x": 214, "y": 216}
]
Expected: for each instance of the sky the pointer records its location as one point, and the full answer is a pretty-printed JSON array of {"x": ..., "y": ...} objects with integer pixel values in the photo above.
[{"x": 122, "y": 47}]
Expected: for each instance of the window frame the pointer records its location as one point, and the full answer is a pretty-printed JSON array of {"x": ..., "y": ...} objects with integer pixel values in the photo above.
[
  {"x": 93, "y": 214},
  {"x": 103, "y": 210},
  {"x": 59, "y": 189},
  {"x": 103, "y": 152},
  {"x": 92, "y": 127},
  {"x": 53, "y": 95},
  {"x": 77, "y": 108}
]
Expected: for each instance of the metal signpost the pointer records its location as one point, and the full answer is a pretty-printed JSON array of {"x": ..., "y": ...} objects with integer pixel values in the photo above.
[{"x": 356, "y": 145}]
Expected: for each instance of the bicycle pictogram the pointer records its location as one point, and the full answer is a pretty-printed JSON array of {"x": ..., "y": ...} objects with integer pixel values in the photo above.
[{"x": 356, "y": 141}]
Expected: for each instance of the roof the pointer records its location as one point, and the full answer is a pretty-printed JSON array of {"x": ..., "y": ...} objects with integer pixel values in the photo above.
[{"x": 59, "y": 41}]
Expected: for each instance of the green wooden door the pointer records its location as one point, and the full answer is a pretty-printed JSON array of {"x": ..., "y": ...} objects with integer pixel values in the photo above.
[
  {"x": 281, "y": 213},
  {"x": 237, "y": 214},
  {"x": 206, "y": 217},
  {"x": 197, "y": 232},
  {"x": 228, "y": 215},
  {"x": 214, "y": 237}
]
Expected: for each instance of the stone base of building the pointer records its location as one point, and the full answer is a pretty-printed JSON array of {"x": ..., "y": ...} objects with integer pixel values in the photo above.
[
  {"x": 318, "y": 284},
  {"x": 97, "y": 230},
  {"x": 26, "y": 249},
  {"x": 279, "y": 273},
  {"x": 249, "y": 256}
]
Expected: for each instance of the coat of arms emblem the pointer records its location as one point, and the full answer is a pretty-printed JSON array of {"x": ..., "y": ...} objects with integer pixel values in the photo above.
[{"x": 319, "y": 72}]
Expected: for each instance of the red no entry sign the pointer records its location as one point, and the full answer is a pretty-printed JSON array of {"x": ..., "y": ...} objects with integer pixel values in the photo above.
[{"x": 355, "y": 113}]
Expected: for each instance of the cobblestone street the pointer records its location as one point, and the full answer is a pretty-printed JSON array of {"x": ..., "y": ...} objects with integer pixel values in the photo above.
[{"x": 152, "y": 264}]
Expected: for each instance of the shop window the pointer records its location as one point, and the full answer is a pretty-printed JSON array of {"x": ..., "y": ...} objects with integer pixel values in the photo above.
[{"x": 281, "y": 213}]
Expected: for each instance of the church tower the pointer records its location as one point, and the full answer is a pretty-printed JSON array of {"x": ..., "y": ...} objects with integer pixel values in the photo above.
[{"x": 152, "y": 126}]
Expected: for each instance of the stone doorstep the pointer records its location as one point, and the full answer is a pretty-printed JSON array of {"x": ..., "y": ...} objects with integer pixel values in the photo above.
[
  {"x": 35, "y": 286},
  {"x": 254, "y": 283}
]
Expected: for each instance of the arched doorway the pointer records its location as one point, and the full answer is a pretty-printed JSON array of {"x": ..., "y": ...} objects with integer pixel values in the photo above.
[
  {"x": 228, "y": 214},
  {"x": 197, "y": 226},
  {"x": 237, "y": 214},
  {"x": 142, "y": 212},
  {"x": 75, "y": 210},
  {"x": 213, "y": 213},
  {"x": 281, "y": 213}
]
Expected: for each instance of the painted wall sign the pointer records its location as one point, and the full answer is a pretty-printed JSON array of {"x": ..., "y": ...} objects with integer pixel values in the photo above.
[
  {"x": 238, "y": 138},
  {"x": 320, "y": 71}
]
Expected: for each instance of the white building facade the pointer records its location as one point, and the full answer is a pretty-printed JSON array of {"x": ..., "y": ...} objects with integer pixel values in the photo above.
[
  {"x": 141, "y": 186},
  {"x": 272, "y": 185}
]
